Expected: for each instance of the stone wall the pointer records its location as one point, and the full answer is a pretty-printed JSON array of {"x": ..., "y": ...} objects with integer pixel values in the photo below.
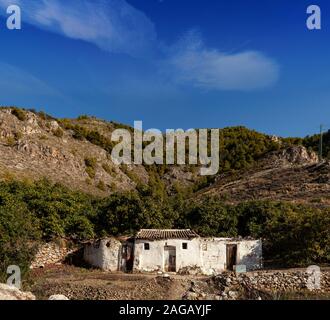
[
  {"x": 255, "y": 285},
  {"x": 52, "y": 253}
]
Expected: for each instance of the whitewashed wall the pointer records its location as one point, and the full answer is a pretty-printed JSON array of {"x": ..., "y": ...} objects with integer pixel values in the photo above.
[
  {"x": 104, "y": 254},
  {"x": 208, "y": 254},
  {"x": 153, "y": 259},
  {"x": 213, "y": 259}
]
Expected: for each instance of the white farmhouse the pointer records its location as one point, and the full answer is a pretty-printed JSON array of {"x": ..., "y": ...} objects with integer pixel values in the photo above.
[{"x": 182, "y": 251}]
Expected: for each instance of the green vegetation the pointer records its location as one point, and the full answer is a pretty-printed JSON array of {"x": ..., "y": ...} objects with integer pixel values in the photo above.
[
  {"x": 293, "y": 235},
  {"x": 241, "y": 147},
  {"x": 313, "y": 142},
  {"x": 18, "y": 228},
  {"x": 58, "y": 133},
  {"x": 11, "y": 141},
  {"x": 83, "y": 117},
  {"x": 20, "y": 114},
  {"x": 101, "y": 185},
  {"x": 135, "y": 178},
  {"x": 90, "y": 164},
  {"x": 108, "y": 169},
  {"x": 93, "y": 136}
]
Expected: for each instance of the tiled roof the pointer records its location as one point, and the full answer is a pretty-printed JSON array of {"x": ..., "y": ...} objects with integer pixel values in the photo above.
[{"x": 162, "y": 234}]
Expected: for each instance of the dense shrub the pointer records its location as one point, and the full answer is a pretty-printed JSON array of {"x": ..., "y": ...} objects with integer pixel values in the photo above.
[
  {"x": 53, "y": 207},
  {"x": 18, "y": 228},
  {"x": 90, "y": 164},
  {"x": 58, "y": 133},
  {"x": 20, "y": 114},
  {"x": 293, "y": 235}
]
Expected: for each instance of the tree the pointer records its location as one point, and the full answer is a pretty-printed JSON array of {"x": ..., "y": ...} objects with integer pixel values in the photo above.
[{"x": 18, "y": 230}]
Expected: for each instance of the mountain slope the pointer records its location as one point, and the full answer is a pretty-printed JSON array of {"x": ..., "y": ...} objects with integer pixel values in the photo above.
[
  {"x": 76, "y": 154},
  {"x": 72, "y": 152},
  {"x": 293, "y": 174},
  {"x": 35, "y": 148}
]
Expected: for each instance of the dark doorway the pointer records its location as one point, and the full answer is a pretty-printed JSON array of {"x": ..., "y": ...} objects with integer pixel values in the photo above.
[
  {"x": 128, "y": 257},
  {"x": 231, "y": 256},
  {"x": 170, "y": 259}
]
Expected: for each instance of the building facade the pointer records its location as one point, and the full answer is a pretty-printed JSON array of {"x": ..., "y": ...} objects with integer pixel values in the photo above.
[{"x": 181, "y": 251}]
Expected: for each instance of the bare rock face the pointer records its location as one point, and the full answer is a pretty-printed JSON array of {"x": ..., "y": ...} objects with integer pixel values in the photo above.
[
  {"x": 299, "y": 155},
  {"x": 292, "y": 156},
  {"x": 12, "y": 293}
]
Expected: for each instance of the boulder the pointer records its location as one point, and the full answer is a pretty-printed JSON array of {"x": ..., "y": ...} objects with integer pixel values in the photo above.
[
  {"x": 58, "y": 297},
  {"x": 12, "y": 293}
]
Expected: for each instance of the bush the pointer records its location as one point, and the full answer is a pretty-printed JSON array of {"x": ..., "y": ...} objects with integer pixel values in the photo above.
[
  {"x": 295, "y": 235},
  {"x": 83, "y": 117},
  {"x": 58, "y": 133},
  {"x": 91, "y": 172},
  {"x": 90, "y": 162},
  {"x": 101, "y": 185},
  {"x": 19, "y": 114},
  {"x": 108, "y": 169},
  {"x": 79, "y": 227},
  {"x": 51, "y": 205},
  {"x": 18, "y": 228},
  {"x": 11, "y": 141}
]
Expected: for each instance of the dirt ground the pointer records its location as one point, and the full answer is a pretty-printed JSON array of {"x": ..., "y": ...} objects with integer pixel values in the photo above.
[{"x": 88, "y": 284}]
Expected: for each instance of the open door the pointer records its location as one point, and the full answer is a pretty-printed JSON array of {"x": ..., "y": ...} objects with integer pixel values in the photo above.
[
  {"x": 170, "y": 259},
  {"x": 127, "y": 257},
  {"x": 231, "y": 256}
]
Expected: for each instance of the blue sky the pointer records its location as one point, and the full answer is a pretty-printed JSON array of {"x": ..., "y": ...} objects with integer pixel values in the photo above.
[{"x": 173, "y": 64}]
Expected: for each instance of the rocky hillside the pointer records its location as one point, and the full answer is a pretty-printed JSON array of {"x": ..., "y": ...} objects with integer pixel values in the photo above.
[
  {"x": 72, "y": 152},
  {"x": 76, "y": 153},
  {"x": 293, "y": 174}
]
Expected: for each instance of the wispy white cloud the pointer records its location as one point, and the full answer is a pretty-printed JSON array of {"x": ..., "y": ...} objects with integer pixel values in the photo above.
[
  {"x": 116, "y": 26},
  {"x": 112, "y": 25},
  {"x": 17, "y": 82},
  {"x": 191, "y": 62}
]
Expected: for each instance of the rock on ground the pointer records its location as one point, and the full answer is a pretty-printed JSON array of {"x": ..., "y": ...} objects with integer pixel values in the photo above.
[
  {"x": 12, "y": 293},
  {"x": 58, "y": 297}
]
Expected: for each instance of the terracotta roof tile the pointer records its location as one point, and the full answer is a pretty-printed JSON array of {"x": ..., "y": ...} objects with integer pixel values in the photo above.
[{"x": 161, "y": 234}]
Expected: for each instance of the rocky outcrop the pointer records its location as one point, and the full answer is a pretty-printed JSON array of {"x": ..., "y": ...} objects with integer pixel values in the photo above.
[
  {"x": 12, "y": 293},
  {"x": 295, "y": 155}
]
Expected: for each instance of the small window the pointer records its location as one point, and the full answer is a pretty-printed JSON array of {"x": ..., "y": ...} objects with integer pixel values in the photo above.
[
  {"x": 204, "y": 246},
  {"x": 146, "y": 246},
  {"x": 185, "y": 245}
]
